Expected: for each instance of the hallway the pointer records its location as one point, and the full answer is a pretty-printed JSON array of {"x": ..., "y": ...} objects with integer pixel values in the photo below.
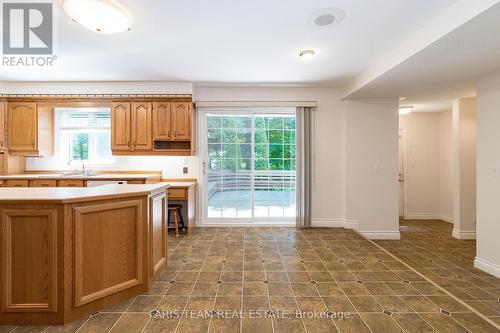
[{"x": 428, "y": 247}]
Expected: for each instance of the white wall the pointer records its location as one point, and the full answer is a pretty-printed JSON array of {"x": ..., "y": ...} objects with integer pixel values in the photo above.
[
  {"x": 428, "y": 156},
  {"x": 488, "y": 174},
  {"x": 464, "y": 168},
  {"x": 445, "y": 167},
  {"x": 170, "y": 166},
  {"x": 372, "y": 188}
]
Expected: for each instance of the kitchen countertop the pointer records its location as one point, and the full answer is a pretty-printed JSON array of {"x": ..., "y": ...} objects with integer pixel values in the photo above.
[
  {"x": 104, "y": 176},
  {"x": 181, "y": 184},
  {"x": 77, "y": 194}
]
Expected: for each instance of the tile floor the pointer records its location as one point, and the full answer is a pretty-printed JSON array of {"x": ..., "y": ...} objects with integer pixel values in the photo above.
[
  {"x": 428, "y": 247},
  {"x": 290, "y": 280}
]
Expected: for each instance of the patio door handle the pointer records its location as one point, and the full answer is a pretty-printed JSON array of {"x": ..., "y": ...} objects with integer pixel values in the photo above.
[{"x": 204, "y": 167}]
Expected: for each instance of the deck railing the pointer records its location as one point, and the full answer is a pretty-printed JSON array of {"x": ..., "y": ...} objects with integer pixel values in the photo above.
[{"x": 263, "y": 180}]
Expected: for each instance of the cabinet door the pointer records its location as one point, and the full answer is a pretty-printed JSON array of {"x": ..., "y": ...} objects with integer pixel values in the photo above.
[
  {"x": 161, "y": 121},
  {"x": 181, "y": 121},
  {"x": 3, "y": 113},
  {"x": 158, "y": 233},
  {"x": 3, "y": 164},
  {"x": 23, "y": 133},
  {"x": 141, "y": 126},
  {"x": 120, "y": 126}
]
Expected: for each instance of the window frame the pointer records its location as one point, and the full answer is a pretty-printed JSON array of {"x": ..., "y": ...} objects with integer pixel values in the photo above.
[{"x": 63, "y": 154}]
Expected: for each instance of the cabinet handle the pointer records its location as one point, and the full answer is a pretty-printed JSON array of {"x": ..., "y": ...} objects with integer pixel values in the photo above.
[
  {"x": 33, "y": 144},
  {"x": 175, "y": 133},
  {"x": 128, "y": 143}
]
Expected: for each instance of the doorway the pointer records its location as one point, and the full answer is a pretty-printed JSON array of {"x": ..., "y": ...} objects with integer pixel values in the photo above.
[
  {"x": 402, "y": 173},
  {"x": 249, "y": 167}
]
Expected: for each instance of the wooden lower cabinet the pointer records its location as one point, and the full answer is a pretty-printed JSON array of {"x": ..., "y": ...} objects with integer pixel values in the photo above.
[
  {"x": 29, "y": 260},
  {"x": 158, "y": 232},
  {"x": 43, "y": 183},
  {"x": 16, "y": 183},
  {"x": 62, "y": 261},
  {"x": 70, "y": 183},
  {"x": 178, "y": 193}
]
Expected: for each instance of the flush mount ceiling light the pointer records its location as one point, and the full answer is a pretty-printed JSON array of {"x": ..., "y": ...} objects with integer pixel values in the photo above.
[
  {"x": 103, "y": 16},
  {"x": 405, "y": 110},
  {"x": 307, "y": 55},
  {"x": 326, "y": 17}
]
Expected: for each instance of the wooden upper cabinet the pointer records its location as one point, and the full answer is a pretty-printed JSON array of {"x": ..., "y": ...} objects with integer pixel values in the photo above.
[
  {"x": 120, "y": 123},
  {"x": 3, "y": 114},
  {"x": 181, "y": 121},
  {"x": 161, "y": 121},
  {"x": 23, "y": 127},
  {"x": 141, "y": 126},
  {"x": 152, "y": 127}
]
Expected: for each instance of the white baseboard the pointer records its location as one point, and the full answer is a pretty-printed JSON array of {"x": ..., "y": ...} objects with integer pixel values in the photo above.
[
  {"x": 334, "y": 223},
  {"x": 487, "y": 267},
  {"x": 247, "y": 225},
  {"x": 447, "y": 218},
  {"x": 351, "y": 224},
  {"x": 463, "y": 234},
  {"x": 428, "y": 216},
  {"x": 327, "y": 223},
  {"x": 381, "y": 234}
]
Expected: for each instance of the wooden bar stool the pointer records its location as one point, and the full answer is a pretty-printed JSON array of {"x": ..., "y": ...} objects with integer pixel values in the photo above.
[{"x": 175, "y": 211}]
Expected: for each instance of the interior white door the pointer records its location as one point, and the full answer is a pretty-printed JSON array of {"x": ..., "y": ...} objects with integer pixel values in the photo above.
[{"x": 401, "y": 173}]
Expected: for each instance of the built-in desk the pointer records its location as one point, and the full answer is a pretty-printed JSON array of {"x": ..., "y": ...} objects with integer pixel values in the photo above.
[{"x": 184, "y": 193}]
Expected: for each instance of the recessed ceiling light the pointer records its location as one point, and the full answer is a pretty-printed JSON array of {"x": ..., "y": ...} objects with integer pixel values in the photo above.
[
  {"x": 103, "y": 16},
  {"x": 307, "y": 54},
  {"x": 405, "y": 110},
  {"x": 326, "y": 17}
]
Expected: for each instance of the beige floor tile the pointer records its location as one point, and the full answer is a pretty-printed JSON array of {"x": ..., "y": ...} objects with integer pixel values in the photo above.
[
  {"x": 412, "y": 323},
  {"x": 101, "y": 322},
  {"x": 131, "y": 323},
  {"x": 380, "y": 322},
  {"x": 260, "y": 325}
]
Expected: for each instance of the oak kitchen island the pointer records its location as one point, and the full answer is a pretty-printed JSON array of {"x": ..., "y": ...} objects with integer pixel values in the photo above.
[{"x": 69, "y": 252}]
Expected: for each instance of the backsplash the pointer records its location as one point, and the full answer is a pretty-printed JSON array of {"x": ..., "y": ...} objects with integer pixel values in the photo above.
[{"x": 170, "y": 166}]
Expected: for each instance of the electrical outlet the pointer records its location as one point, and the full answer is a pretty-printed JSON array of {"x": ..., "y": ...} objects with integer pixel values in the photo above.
[{"x": 185, "y": 170}]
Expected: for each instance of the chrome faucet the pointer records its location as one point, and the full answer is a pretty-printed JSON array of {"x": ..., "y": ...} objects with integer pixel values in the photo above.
[{"x": 83, "y": 165}]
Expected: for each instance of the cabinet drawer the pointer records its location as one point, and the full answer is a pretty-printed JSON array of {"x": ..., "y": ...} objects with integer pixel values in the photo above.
[
  {"x": 16, "y": 183},
  {"x": 70, "y": 183},
  {"x": 43, "y": 183},
  {"x": 1, "y": 183},
  {"x": 177, "y": 193},
  {"x": 136, "y": 182}
]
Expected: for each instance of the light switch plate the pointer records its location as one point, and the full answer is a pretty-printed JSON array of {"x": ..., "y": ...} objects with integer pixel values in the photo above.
[{"x": 185, "y": 170}]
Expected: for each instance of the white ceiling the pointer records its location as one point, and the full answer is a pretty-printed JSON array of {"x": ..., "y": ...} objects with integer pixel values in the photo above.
[
  {"x": 445, "y": 70},
  {"x": 234, "y": 41}
]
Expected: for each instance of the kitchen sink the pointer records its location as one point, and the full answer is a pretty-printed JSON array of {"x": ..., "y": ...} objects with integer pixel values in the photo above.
[{"x": 78, "y": 174}]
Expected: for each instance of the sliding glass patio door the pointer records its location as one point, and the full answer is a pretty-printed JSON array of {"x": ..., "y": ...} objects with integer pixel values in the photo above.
[{"x": 249, "y": 166}]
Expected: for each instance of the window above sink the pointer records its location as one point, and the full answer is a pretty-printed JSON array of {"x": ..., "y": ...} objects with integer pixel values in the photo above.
[{"x": 83, "y": 133}]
